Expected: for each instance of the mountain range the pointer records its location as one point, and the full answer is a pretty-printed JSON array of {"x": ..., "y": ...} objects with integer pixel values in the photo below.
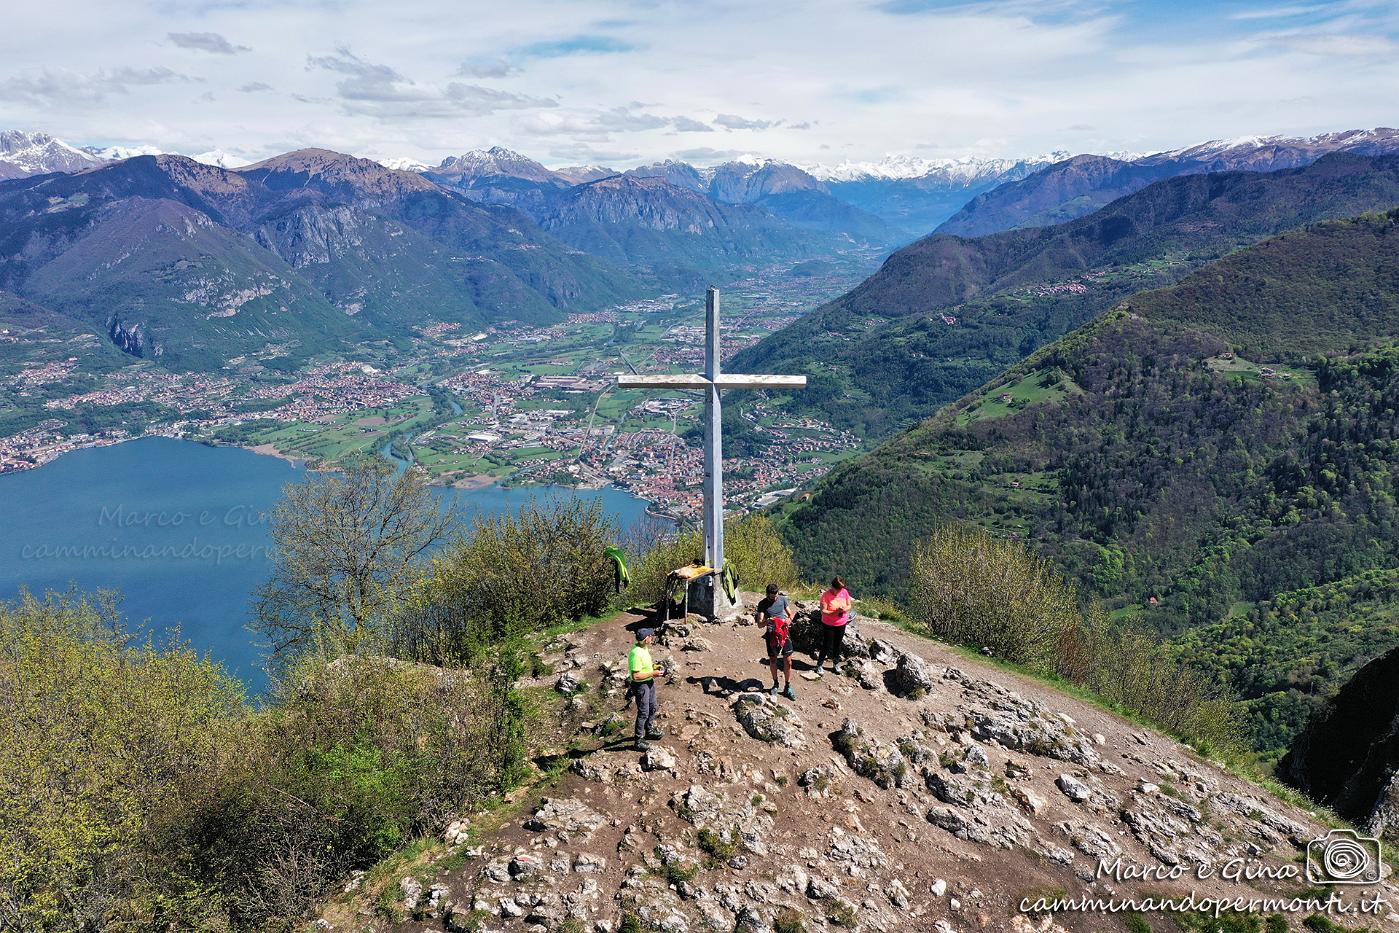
[
  {"x": 1079, "y": 185},
  {"x": 886, "y": 202},
  {"x": 196, "y": 265},
  {"x": 24, "y": 154},
  {"x": 498, "y": 175},
  {"x": 679, "y": 235},
  {"x": 948, "y": 313}
]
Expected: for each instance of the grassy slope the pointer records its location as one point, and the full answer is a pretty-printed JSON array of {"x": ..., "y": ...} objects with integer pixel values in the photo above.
[{"x": 1137, "y": 455}]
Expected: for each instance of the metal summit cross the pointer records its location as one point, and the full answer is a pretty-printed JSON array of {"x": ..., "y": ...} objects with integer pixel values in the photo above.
[{"x": 713, "y": 383}]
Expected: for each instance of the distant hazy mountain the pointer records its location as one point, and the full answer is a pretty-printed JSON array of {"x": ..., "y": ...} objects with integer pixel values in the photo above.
[
  {"x": 915, "y": 195},
  {"x": 1269, "y": 153},
  {"x": 495, "y": 162},
  {"x": 886, "y": 202},
  {"x": 1080, "y": 185},
  {"x": 221, "y": 159},
  {"x": 1060, "y": 192},
  {"x": 680, "y": 174},
  {"x": 405, "y": 164},
  {"x": 781, "y": 188},
  {"x": 211, "y": 157},
  {"x": 195, "y": 264},
  {"x": 117, "y": 153},
  {"x": 677, "y": 235},
  {"x": 24, "y": 154},
  {"x": 582, "y": 174},
  {"x": 500, "y": 176}
]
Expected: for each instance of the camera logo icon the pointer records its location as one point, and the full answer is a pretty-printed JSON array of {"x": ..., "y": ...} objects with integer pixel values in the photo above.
[{"x": 1343, "y": 856}]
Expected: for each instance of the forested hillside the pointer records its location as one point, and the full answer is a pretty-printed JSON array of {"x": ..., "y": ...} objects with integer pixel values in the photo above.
[
  {"x": 1203, "y": 455},
  {"x": 947, "y": 314}
]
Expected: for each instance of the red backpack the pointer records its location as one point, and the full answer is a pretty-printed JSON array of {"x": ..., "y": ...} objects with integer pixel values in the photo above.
[{"x": 781, "y": 627}]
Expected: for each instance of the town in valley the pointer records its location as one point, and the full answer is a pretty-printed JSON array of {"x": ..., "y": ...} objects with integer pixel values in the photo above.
[{"x": 511, "y": 403}]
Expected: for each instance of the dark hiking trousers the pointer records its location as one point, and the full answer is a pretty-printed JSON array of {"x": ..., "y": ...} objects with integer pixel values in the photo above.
[
  {"x": 831, "y": 638},
  {"x": 645, "y": 708}
]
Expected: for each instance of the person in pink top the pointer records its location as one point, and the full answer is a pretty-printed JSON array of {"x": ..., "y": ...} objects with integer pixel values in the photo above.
[{"x": 835, "y": 613}]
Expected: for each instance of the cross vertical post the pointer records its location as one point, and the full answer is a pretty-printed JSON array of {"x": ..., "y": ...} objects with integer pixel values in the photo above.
[
  {"x": 716, "y": 604},
  {"x": 713, "y": 438}
]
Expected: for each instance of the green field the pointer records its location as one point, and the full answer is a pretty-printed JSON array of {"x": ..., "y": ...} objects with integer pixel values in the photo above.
[
  {"x": 349, "y": 434},
  {"x": 1037, "y": 388}
]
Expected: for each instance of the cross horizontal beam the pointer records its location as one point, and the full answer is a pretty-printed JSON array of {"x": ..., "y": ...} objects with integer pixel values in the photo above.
[{"x": 724, "y": 381}]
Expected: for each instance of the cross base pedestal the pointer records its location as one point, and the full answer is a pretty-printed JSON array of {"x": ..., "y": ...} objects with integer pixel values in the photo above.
[{"x": 708, "y": 599}]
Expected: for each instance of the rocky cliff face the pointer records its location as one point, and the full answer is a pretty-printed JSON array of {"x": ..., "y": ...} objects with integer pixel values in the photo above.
[
  {"x": 129, "y": 337},
  {"x": 1348, "y": 757},
  {"x": 915, "y": 790}
]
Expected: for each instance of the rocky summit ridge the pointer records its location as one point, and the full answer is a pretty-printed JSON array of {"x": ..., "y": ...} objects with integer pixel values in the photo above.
[{"x": 918, "y": 789}]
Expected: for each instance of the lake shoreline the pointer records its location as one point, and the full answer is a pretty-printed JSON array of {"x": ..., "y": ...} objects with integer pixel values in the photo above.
[
  {"x": 184, "y": 531},
  {"x": 473, "y": 483}
]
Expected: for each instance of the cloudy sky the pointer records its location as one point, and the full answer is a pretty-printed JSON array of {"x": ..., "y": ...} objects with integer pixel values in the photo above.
[{"x": 626, "y": 81}]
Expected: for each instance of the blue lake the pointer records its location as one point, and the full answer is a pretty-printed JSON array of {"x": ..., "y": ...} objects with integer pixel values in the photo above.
[{"x": 181, "y": 530}]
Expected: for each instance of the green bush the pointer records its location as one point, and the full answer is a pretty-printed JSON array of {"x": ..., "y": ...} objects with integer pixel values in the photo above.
[
  {"x": 138, "y": 790},
  {"x": 973, "y": 589},
  {"x": 788, "y": 920},
  {"x": 354, "y": 758},
  {"x": 717, "y": 846},
  {"x": 751, "y": 544},
  {"x": 513, "y": 574},
  {"x": 976, "y": 590},
  {"x": 107, "y": 745}
]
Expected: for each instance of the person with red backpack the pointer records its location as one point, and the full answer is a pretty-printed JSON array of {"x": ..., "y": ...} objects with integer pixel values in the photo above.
[{"x": 775, "y": 613}]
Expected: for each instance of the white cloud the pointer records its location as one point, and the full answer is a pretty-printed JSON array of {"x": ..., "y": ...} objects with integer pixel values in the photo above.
[
  {"x": 377, "y": 90},
  {"x": 731, "y": 121},
  {"x": 64, "y": 88},
  {"x": 688, "y": 125},
  {"x": 206, "y": 42},
  {"x": 797, "y": 80}
]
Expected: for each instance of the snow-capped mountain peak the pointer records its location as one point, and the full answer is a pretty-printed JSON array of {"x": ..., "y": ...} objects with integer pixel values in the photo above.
[
  {"x": 221, "y": 159},
  {"x": 118, "y": 153},
  {"x": 582, "y": 174},
  {"x": 404, "y": 164},
  {"x": 1237, "y": 149},
  {"x": 24, "y": 154},
  {"x": 216, "y": 157},
  {"x": 496, "y": 160},
  {"x": 899, "y": 166}
]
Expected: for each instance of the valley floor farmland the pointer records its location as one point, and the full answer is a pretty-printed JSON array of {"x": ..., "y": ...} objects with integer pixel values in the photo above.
[{"x": 516, "y": 404}]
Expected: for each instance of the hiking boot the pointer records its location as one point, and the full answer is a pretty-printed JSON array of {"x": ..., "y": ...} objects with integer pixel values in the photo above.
[
  {"x": 655, "y": 734},
  {"x": 774, "y": 690},
  {"x": 789, "y": 693},
  {"x": 642, "y": 745}
]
